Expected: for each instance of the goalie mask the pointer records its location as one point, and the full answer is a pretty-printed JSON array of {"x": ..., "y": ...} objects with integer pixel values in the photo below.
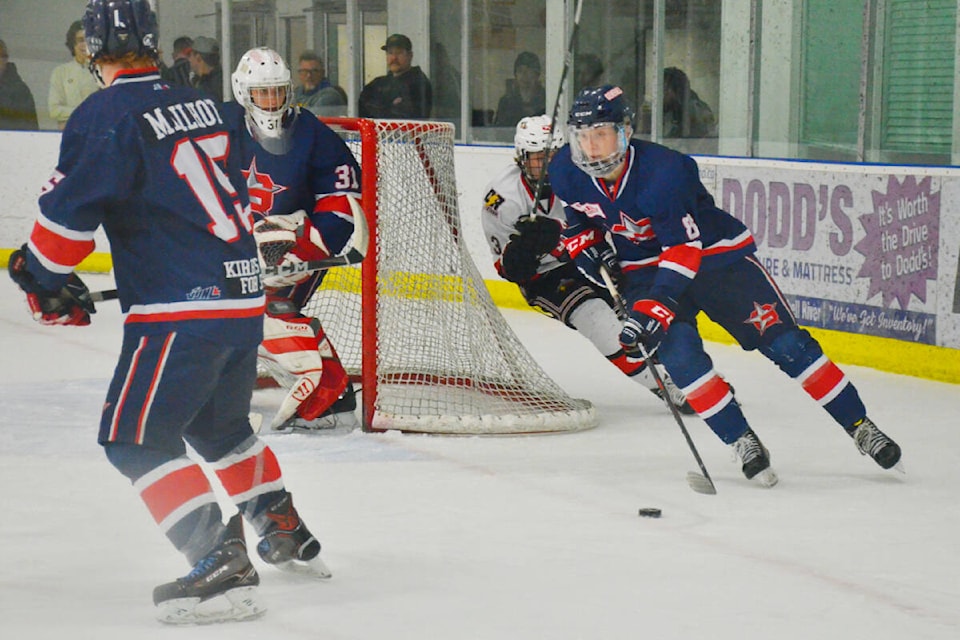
[
  {"x": 261, "y": 84},
  {"x": 534, "y": 144},
  {"x": 600, "y": 127}
]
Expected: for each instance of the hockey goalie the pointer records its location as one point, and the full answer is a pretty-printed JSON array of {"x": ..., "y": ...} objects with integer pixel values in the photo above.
[{"x": 303, "y": 183}]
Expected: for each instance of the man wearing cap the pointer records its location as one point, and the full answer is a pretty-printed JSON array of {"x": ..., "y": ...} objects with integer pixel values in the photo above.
[
  {"x": 404, "y": 93},
  {"x": 205, "y": 64}
]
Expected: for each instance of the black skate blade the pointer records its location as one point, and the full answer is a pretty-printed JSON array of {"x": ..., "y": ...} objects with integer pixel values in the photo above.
[
  {"x": 701, "y": 484},
  {"x": 243, "y": 605}
]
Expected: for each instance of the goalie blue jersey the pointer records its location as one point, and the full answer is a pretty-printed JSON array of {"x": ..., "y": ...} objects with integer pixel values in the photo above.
[
  {"x": 658, "y": 214},
  {"x": 152, "y": 163},
  {"x": 316, "y": 175}
]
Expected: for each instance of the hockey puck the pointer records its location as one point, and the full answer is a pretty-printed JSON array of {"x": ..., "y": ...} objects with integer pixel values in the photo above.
[{"x": 649, "y": 512}]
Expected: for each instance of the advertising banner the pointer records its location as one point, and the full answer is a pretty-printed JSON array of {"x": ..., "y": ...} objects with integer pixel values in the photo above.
[{"x": 870, "y": 250}]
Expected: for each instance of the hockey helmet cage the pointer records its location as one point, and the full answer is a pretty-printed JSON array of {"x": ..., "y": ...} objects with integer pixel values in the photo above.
[
  {"x": 535, "y": 134},
  {"x": 596, "y": 107},
  {"x": 263, "y": 70},
  {"x": 116, "y": 28}
]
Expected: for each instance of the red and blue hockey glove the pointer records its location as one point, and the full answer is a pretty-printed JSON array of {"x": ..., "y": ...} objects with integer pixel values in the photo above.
[
  {"x": 69, "y": 306},
  {"x": 591, "y": 252},
  {"x": 647, "y": 325}
]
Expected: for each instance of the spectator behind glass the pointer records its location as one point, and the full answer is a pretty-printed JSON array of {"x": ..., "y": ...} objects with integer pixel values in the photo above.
[
  {"x": 446, "y": 81},
  {"x": 685, "y": 115},
  {"x": 589, "y": 71},
  {"x": 525, "y": 94},
  {"x": 179, "y": 72},
  {"x": 404, "y": 93},
  {"x": 71, "y": 82},
  {"x": 315, "y": 92},
  {"x": 205, "y": 65},
  {"x": 17, "y": 108}
]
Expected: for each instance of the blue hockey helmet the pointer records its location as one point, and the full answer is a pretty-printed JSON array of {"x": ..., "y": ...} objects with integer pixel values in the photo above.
[
  {"x": 116, "y": 28},
  {"x": 599, "y": 111}
]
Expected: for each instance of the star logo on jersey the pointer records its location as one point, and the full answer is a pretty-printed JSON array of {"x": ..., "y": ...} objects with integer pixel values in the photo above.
[
  {"x": 763, "y": 317},
  {"x": 262, "y": 188},
  {"x": 634, "y": 230}
]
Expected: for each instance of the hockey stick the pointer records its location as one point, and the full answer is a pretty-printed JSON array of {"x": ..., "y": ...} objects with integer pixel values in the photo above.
[
  {"x": 356, "y": 251},
  {"x": 538, "y": 192},
  {"x": 699, "y": 482}
]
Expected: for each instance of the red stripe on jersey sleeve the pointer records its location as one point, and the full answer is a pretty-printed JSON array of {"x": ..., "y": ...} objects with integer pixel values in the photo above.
[
  {"x": 247, "y": 474},
  {"x": 709, "y": 396},
  {"x": 822, "y": 382},
  {"x": 59, "y": 249},
  {"x": 685, "y": 256},
  {"x": 168, "y": 493}
]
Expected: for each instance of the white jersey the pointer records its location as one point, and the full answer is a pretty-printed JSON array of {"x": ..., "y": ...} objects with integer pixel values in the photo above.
[{"x": 509, "y": 198}]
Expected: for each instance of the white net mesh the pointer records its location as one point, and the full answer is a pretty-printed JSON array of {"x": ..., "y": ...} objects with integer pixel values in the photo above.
[{"x": 440, "y": 356}]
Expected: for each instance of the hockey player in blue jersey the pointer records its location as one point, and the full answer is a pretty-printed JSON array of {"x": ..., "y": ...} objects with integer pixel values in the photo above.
[
  {"x": 526, "y": 247},
  {"x": 300, "y": 175},
  {"x": 152, "y": 164},
  {"x": 639, "y": 210}
]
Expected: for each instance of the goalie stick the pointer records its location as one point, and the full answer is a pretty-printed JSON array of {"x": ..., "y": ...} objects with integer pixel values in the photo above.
[
  {"x": 699, "y": 482},
  {"x": 354, "y": 253}
]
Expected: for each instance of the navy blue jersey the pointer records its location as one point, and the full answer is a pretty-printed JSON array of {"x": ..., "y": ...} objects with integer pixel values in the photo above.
[
  {"x": 315, "y": 175},
  {"x": 151, "y": 163},
  {"x": 658, "y": 213}
]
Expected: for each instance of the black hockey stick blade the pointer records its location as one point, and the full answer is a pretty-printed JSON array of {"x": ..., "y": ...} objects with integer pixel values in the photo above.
[
  {"x": 699, "y": 482},
  {"x": 354, "y": 252}
]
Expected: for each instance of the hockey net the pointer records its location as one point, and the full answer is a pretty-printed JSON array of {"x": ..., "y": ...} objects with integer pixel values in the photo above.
[{"x": 414, "y": 322}]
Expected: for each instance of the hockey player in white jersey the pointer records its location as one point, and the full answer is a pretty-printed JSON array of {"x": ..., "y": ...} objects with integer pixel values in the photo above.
[{"x": 527, "y": 250}]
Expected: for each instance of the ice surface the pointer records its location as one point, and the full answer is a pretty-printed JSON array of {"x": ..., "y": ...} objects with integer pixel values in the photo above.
[{"x": 505, "y": 538}]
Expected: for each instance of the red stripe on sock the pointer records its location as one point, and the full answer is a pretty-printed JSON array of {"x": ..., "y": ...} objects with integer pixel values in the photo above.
[
  {"x": 169, "y": 493},
  {"x": 708, "y": 395},
  {"x": 245, "y": 475},
  {"x": 823, "y": 381}
]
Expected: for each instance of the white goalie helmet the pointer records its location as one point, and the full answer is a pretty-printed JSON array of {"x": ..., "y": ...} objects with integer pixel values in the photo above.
[
  {"x": 535, "y": 134},
  {"x": 262, "y": 86}
]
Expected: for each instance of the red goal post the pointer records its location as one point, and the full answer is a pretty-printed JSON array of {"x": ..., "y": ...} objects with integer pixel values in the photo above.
[{"x": 414, "y": 323}]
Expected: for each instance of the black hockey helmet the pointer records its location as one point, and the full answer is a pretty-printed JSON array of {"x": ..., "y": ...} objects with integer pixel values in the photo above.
[{"x": 117, "y": 27}]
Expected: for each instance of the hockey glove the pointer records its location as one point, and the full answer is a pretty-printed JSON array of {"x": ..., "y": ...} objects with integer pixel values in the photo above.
[
  {"x": 288, "y": 239},
  {"x": 537, "y": 234},
  {"x": 518, "y": 264},
  {"x": 647, "y": 325},
  {"x": 69, "y": 306}
]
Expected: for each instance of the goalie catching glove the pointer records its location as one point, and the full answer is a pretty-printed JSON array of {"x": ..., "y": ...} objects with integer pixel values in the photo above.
[
  {"x": 71, "y": 305},
  {"x": 288, "y": 239}
]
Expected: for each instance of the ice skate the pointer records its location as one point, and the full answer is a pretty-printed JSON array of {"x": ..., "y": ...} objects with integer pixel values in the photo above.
[
  {"x": 675, "y": 394},
  {"x": 288, "y": 544},
  {"x": 224, "y": 577},
  {"x": 755, "y": 459},
  {"x": 876, "y": 444},
  {"x": 340, "y": 416}
]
